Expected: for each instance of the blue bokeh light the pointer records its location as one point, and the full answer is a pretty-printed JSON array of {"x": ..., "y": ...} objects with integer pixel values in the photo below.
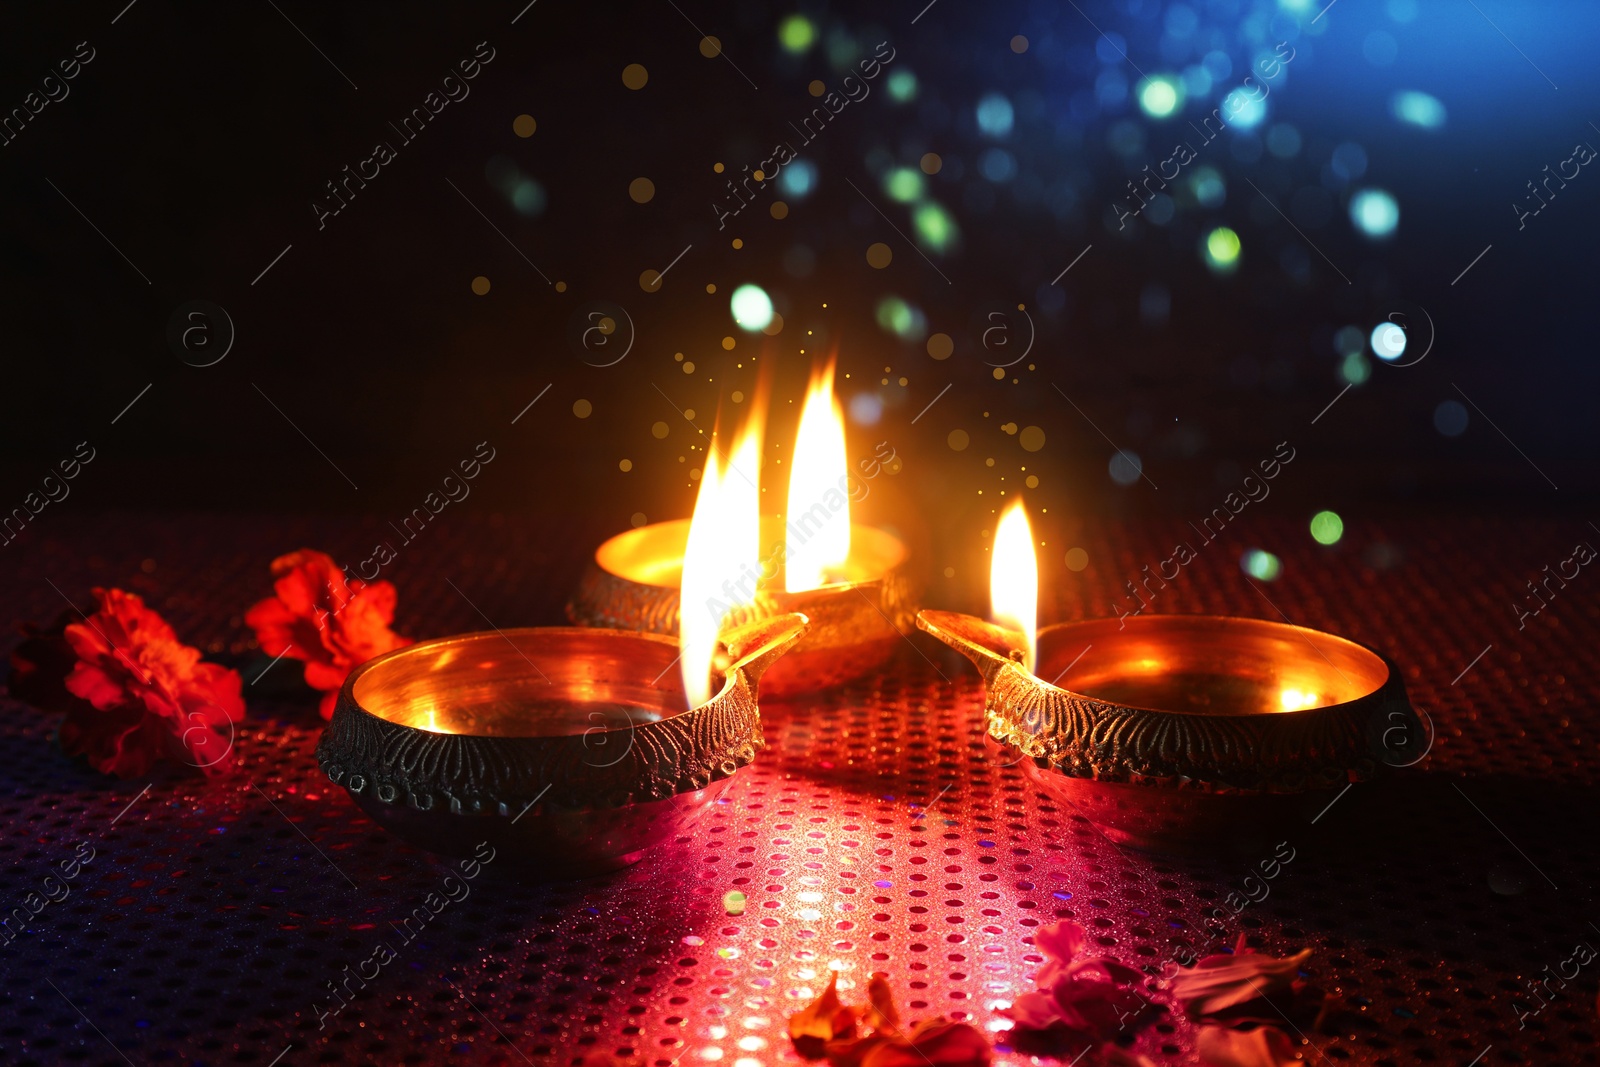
[
  {"x": 798, "y": 179},
  {"x": 1243, "y": 110},
  {"x": 995, "y": 115},
  {"x": 1418, "y": 109},
  {"x": 1375, "y": 213}
]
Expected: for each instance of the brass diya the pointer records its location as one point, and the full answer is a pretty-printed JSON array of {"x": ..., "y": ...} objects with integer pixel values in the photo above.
[
  {"x": 855, "y": 622},
  {"x": 1179, "y": 732},
  {"x": 568, "y": 750}
]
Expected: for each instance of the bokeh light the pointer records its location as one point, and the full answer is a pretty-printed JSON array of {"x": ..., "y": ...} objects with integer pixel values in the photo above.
[
  {"x": 1349, "y": 161},
  {"x": 1209, "y": 188},
  {"x": 1244, "y": 110},
  {"x": 1222, "y": 250},
  {"x": 902, "y": 319},
  {"x": 1161, "y": 96},
  {"x": 1261, "y": 565},
  {"x": 752, "y": 307},
  {"x": 1283, "y": 141},
  {"x": 998, "y": 165},
  {"x": 1355, "y": 369},
  {"x": 935, "y": 227},
  {"x": 1450, "y": 418},
  {"x": 903, "y": 184},
  {"x": 797, "y": 179},
  {"x": 1327, "y": 527},
  {"x": 796, "y": 33},
  {"x": 865, "y": 409},
  {"x": 1388, "y": 341},
  {"x": 1418, "y": 109},
  {"x": 995, "y": 116},
  {"x": 1125, "y": 467},
  {"x": 902, "y": 86},
  {"x": 528, "y": 197},
  {"x": 1374, "y": 213}
]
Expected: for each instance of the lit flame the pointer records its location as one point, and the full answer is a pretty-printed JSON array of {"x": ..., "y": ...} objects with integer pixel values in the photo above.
[
  {"x": 1014, "y": 579},
  {"x": 818, "y": 532},
  {"x": 721, "y": 560}
]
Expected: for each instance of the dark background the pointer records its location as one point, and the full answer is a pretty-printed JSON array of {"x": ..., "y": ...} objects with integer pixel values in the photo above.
[{"x": 199, "y": 136}]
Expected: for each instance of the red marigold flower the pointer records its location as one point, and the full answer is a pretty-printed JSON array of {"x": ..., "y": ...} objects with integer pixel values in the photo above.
[
  {"x": 145, "y": 695},
  {"x": 318, "y": 616}
]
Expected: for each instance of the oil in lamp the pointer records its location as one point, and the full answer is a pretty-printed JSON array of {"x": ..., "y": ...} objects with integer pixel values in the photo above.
[
  {"x": 572, "y": 751},
  {"x": 851, "y": 580}
]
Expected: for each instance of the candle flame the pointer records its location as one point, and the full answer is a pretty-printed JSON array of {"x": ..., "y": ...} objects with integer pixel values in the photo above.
[
  {"x": 722, "y": 558},
  {"x": 817, "y": 536},
  {"x": 1014, "y": 579}
]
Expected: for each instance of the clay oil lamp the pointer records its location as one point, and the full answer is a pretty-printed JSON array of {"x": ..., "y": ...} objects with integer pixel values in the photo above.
[
  {"x": 572, "y": 751},
  {"x": 1174, "y": 733},
  {"x": 852, "y": 581}
]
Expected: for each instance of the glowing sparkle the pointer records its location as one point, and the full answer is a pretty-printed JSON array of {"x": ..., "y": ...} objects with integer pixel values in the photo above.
[
  {"x": 1260, "y": 564},
  {"x": 752, "y": 307},
  {"x": 796, "y": 33},
  {"x": 1160, "y": 96},
  {"x": 1222, "y": 249},
  {"x": 1388, "y": 341},
  {"x": 1375, "y": 213},
  {"x": 1327, "y": 527}
]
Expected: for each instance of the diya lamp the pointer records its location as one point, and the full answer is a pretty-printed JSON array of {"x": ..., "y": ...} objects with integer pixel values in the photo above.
[
  {"x": 572, "y": 751},
  {"x": 854, "y": 582},
  {"x": 1174, "y": 733}
]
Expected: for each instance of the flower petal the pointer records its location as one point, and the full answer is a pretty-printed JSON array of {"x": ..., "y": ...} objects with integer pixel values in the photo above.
[
  {"x": 1219, "y": 982},
  {"x": 938, "y": 1042},
  {"x": 1263, "y": 1047},
  {"x": 824, "y": 1019},
  {"x": 1034, "y": 1011},
  {"x": 148, "y": 695},
  {"x": 881, "y": 1015}
]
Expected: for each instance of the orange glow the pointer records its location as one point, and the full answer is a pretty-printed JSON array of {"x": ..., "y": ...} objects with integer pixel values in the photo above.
[
  {"x": 1014, "y": 579},
  {"x": 818, "y": 533},
  {"x": 1298, "y": 700},
  {"x": 721, "y": 560}
]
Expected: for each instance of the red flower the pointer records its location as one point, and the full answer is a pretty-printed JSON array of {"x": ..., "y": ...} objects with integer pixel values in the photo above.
[
  {"x": 1081, "y": 998},
  {"x": 317, "y": 616},
  {"x": 145, "y": 695}
]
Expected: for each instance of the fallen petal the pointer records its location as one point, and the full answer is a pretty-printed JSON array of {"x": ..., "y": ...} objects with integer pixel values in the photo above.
[
  {"x": 823, "y": 1020},
  {"x": 1266, "y": 1047},
  {"x": 1219, "y": 982},
  {"x": 933, "y": 1043}
]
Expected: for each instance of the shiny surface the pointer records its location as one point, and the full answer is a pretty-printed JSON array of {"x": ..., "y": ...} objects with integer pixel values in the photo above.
[
  {"x": 855, "y": 624},
  {"x": 1211, "y": 665},
  {"x": 1419, "y": 913},
  {"x": 1182, "y": 732},
  {"x": 550, "y": 744},
  {"x": 653, "y": 554},
  {"x": 525, "y": 683}
]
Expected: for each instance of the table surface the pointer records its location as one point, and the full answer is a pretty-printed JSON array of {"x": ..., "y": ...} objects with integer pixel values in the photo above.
[{"x": 873, "y": 835}]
